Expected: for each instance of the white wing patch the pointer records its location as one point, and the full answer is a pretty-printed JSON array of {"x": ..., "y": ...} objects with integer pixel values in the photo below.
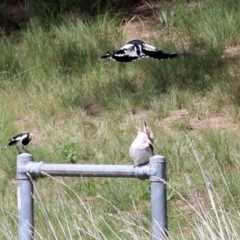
[
  {"x": 127, "y": 47},
  {"x": 24, "y": 136},
  {"x": 131, "y": 53},
  {"x": 148, "y": 47},
  {"x": 17, "y": 138}
]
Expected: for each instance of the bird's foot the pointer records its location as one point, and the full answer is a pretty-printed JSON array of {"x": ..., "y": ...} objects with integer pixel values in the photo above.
[{"x": 141, "y": 165}]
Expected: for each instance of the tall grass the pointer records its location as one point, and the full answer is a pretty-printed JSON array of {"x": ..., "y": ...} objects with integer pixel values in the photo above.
[{"x": 83, "y": 109}]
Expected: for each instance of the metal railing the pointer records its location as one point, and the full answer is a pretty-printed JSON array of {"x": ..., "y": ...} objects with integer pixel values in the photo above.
[{"x": 155, "y": 171}]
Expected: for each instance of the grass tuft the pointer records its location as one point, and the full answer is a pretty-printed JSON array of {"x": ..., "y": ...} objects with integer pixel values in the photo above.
[{"x": 83, "y": 109}]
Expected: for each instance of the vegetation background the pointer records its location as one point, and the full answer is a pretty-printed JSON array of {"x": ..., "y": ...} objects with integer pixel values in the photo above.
[{"x": 84, "y": 110}]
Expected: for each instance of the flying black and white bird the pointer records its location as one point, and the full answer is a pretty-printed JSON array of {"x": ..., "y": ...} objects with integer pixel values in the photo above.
[
  {"x": 136, "y": 49},
  {"x": 20, "y": 140},
  {"x": 141, "y": 148}
]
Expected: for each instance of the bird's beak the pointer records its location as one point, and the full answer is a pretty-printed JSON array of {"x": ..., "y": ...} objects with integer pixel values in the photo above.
[
  {"x": 139, "y": 129},
  {"x": 144, "y": 126}
]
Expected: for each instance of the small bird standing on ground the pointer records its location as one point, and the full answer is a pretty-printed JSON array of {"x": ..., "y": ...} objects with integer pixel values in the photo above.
[
  {"x": 136, "y": 49},
  {"x": 141, "y": 148},
  {"x": 20, "y": 140}
]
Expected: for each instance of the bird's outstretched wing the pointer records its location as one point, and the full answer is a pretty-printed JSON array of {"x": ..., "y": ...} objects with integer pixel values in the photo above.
[{"x": 153, "y": 52}]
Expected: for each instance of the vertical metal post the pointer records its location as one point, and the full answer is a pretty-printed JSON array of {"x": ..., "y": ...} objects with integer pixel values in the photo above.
[
  {"x": 25, "y": 198},
  {"x": 158, "y": 198}
]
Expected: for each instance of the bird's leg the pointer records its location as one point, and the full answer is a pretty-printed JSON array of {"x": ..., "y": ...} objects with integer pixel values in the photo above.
[
  {"x": 25, "y": 150},
  {"x": 19, "y": 150},
  {"x": 141, "y": 165}
]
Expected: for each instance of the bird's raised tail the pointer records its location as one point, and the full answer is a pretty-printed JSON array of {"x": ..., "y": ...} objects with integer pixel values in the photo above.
[{"x": 4, "y": 147}]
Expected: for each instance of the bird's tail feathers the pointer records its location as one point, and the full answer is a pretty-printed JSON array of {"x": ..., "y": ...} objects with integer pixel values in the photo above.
[
  {"x": 107, "y": 55},
  {"x": 4, "y": 147},
  {"x": 183, "y": 53}
]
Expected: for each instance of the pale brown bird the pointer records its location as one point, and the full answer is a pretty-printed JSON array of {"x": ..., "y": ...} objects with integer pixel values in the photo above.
[{"x": 141, "y": 148}]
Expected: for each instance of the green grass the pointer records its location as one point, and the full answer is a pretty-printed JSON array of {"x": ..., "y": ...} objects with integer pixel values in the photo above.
[{"x": 84, "y": 109}]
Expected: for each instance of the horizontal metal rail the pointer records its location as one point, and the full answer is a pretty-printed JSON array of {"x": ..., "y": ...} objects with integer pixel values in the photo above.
[
  {"x": 155, "y": 172},
  {"x": 40, "y": 169}
]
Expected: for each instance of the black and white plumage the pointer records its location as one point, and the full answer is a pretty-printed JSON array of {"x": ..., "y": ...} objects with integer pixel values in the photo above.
[
  {"x": 141, "y": 148},
  {"x": 20, "y": 140},
  {"x": 136, "y": 49}
]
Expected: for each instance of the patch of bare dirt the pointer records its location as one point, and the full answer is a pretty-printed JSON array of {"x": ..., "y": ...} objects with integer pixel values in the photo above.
[
  {"x": 138, "y": 29},
  {"x": 232, "y": 51},
  {"x": 211, "y": 120},
  {"x": 148, "y": 29},
  {"x": 145, "y": 23},
  {"x": 175, "y": 116}
]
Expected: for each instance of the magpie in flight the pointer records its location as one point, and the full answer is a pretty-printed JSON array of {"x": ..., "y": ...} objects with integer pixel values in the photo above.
[
  {"x": 136, "y": 49},
  {"x": 20, "y": 140}
]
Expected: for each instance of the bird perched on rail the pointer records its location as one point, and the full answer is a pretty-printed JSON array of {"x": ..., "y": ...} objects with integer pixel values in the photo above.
[
  {"x": 136, "y": 49},
  {"x": 20, "y": 140},
  {"x": 141, "y": 148}
]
